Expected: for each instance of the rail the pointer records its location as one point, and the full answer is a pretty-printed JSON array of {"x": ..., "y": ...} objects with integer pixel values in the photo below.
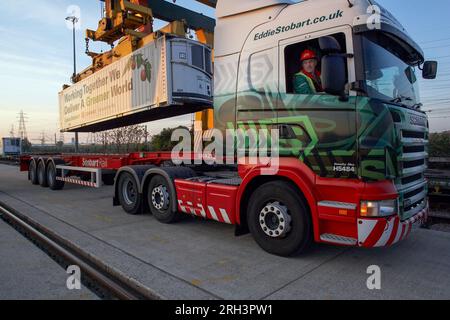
[{"x": 116, "y": 285}]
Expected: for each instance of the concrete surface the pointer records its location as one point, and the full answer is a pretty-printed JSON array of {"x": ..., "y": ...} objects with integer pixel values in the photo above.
[
  {"x": 27, "y": 273},
  {"x": 441, "y": 227},
  {"x": 197, "y": 259}
]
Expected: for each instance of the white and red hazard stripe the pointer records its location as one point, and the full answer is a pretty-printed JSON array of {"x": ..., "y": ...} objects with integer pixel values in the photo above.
[
  {"x": 198, "y": 210},
  {"x": 78, "y": 181},
  {"x": 386, "y": 232}
]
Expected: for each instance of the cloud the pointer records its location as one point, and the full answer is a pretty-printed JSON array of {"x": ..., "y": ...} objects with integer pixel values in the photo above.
[
  {"x": 50, "y": 13},
  {"x": 47, "y": 12},
  {"x": 39, "y": 66}
]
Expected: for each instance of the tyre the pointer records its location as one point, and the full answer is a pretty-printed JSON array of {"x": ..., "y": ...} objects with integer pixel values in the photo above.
[
  {"x": 159, "y": 199},
  {"x": 279, "y": 220},
  {"x": 42, "y": 174},
  {"x": 51, "y": 177},
  {"x": 32, "y": 173},
  {"x": 128, "y": 192}
]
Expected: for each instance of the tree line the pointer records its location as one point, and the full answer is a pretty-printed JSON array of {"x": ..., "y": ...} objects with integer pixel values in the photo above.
[
  {"x": 439, "y": 144},
  {"x": 122, "y": 140}
]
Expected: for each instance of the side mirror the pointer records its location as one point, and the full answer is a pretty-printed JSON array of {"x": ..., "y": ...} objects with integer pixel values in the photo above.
[
  {"x": 329, "y": 44},
  {"x": 334, "y": 74},
  {"x": 429, "y": 70},
  {"x": 374, "y": 74}
]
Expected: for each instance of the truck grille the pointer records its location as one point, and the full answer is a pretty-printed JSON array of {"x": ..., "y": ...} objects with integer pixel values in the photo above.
[{"x": 412, "y": 160}]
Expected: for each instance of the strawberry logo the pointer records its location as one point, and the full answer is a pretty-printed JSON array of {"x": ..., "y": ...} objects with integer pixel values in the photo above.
[{"x": 138, "y": 62}]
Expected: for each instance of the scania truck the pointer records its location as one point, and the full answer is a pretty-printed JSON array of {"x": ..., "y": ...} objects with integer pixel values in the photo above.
[{"x": 351, "y": 159}]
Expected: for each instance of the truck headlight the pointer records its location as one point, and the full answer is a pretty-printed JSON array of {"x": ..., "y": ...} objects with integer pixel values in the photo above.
[{"x": 374, "y": 209}]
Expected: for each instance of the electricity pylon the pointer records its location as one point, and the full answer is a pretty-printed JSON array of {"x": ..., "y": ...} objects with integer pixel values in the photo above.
[{"x": 22, "y": 128}]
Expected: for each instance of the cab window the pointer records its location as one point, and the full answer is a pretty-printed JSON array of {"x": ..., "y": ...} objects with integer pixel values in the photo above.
[{"x": 296, "y": 60}]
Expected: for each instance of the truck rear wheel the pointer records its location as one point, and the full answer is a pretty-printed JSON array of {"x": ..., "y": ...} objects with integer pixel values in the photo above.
[
  {"x": 128, "y": 192},
  {"x": 160, "y": 199},
  {"x": 41, "y": 174},
  {"x": 51, "y": 178},
  {"x": 278, "y": 219},
  {"x": 32, "y": 173}
]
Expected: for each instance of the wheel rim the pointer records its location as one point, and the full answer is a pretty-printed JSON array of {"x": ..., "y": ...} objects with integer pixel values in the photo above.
[
  {"x": 129, "y": 191},
  {"x": 160, "y": 198},
  {"x": 275, "y": 220}
]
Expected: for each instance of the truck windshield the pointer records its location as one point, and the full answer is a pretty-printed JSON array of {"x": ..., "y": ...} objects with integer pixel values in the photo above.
[{"x": 389, "y": 71}]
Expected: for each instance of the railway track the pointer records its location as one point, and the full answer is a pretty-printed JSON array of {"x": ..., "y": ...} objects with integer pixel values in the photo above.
[{"x": 106, "y": 283}]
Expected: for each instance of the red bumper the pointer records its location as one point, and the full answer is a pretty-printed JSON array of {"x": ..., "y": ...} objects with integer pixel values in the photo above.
[{"x": 384, "y": 232}]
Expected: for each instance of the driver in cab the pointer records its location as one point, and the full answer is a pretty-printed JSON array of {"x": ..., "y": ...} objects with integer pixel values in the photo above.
[{"x": 308, "y": 81}]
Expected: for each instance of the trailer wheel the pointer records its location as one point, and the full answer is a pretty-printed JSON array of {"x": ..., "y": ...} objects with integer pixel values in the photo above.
[
  {"x": 159, "y": 200},
  {"x": 128, "y": 192},
  {"x": 41, "y": 174},
  {"x": 32, "y": 173},
  {"x": 51, "y": 178},
  {"x": 279, "y": 220}
]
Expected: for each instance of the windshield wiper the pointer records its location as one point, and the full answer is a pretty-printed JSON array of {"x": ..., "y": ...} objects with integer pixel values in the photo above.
[
  {"x": 417, "y": 106},
  {"x": 400, "y": 99}
]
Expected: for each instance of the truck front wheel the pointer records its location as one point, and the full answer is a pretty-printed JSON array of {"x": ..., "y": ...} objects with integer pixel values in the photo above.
[
  {"x": 128, "y": 192},
  {"x": 278, "y": 219}
]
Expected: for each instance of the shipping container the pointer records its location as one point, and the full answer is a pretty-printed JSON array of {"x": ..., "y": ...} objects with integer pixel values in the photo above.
[
  {"x": 11, "y": 146},
  {"x": 168, "y": 77}
]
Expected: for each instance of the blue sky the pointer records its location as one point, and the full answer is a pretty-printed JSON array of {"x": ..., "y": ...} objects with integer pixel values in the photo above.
[{"x": 36, "y": 57}]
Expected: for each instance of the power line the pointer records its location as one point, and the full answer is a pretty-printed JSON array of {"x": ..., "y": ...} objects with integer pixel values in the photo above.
[
  {"x": 437, "y": 99},
  {"x": 441, "y": 57},
  {"x": 434, "y": 85},
  {"x": 445, "y": 81},
  {"x": 435, "y": 82},
  {"x": 433, "y": 89},
  {"x": 432, "y": 105},
  {"x": 427, "y": 94},
  {"x": 437, "y": 107},
  {"x": 433, "y": 41},
  {"x": 433, "y": 92},
  {"x": 436, "y": 94},
  {"x": 440, "y": 107},
  {"x": 433, "y": 111},
  {"x": 437, "y": 47},
  {"x": 446, "y": 117}
]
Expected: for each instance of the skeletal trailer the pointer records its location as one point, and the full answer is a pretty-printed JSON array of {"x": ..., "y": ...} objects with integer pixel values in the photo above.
[{"x": 284, "y": 213}]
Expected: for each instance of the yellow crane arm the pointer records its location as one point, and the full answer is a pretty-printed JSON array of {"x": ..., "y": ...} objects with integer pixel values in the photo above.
[{"x": 131, "y": 22}]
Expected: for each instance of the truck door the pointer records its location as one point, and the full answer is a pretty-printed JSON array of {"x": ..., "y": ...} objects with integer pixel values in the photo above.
[{"x": 316, "y": 127}]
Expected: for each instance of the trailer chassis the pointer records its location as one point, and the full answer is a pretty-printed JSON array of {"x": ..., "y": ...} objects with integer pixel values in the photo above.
[{"x": 284, "y": 212}]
